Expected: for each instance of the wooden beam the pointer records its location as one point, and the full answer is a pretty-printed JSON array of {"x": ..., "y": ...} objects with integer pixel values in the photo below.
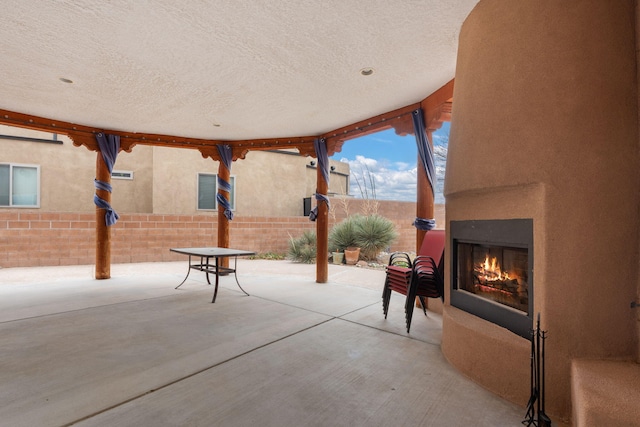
[
  {"x": 437, "y": 106},
  {"x": 85, "y": 136},
  {"x": 399, "y": 119}
]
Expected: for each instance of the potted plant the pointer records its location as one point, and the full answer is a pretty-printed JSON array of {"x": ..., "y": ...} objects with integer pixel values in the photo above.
[
  {"x": 360, "y": 235},
  {"x": 352, "y": 255}
]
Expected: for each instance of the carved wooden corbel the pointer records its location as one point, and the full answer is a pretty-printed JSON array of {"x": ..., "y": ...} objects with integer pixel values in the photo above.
[{"x": 211, "y": 152}]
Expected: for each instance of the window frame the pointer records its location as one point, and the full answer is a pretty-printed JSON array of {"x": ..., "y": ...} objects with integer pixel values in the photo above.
[
  {"x": 11, "y": 205},
  {"x": 232, "y": 195}
]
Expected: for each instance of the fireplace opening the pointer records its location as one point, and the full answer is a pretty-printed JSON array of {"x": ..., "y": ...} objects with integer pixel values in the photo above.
[
  {"x": 492, "y": 271},
  {"x": 496, "y": 273}
]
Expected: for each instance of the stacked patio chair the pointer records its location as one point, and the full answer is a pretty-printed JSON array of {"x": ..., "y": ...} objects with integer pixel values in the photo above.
[
  {"x": 427, "y": 281},
  {"x": 422, "y": 278},
  {"x": 397, "y": 279}
]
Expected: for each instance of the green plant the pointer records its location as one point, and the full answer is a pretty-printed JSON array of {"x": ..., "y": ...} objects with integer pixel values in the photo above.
[
  {"x": 268, "y": 255},
  {"x": 373, "y": 234},
  {"x": 304, "y": 248},
  {"x": 343, "y": 234}
]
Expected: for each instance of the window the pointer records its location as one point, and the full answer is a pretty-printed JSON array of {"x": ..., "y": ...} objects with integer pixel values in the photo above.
[
  {"x": 208, "y": 190},
  {"x": 19, "y": 185}
]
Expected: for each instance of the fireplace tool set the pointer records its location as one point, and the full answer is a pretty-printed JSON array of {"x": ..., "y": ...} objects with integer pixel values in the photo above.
[{"x": 535, "y": 407}]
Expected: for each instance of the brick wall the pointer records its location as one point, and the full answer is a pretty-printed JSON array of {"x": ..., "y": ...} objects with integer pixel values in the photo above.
[{"x": 30, "y": 238}]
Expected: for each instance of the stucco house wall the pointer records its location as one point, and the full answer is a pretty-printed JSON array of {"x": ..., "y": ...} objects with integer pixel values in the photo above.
[{"x": 132, "y": 195}]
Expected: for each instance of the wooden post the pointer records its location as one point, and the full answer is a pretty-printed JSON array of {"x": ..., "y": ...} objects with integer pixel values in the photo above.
[
  {"x": 424, "y": 199},
  {"x": 103, "y": 234},
  {"x": 223, "y": 222},
  {"x": 424, "y": 202},
  {"x": 322, "y": 231}
]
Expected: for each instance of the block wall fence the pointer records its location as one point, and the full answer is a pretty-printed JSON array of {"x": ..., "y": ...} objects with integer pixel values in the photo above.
[{"x": 30, "y": 238}]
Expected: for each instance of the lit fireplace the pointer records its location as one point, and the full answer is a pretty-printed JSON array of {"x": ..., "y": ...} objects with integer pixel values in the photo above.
[
  {"x": 497, "y": 273},
  {"x": 492, "y": 271}
]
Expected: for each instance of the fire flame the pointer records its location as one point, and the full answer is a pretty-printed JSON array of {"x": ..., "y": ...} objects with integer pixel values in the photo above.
[{"x": 490, "y": 270}]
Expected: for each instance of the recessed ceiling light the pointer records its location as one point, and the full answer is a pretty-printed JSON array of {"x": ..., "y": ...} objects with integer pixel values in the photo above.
[
  {"x": 64, "y": 80},
  {"x": 366, "y": 71}
]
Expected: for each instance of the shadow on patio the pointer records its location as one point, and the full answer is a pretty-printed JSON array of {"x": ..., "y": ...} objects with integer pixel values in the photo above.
[{"x": 133, "y": 351}]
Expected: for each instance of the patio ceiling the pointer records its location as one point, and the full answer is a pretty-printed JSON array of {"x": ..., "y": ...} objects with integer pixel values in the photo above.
[{"x": 207, "y": 72}]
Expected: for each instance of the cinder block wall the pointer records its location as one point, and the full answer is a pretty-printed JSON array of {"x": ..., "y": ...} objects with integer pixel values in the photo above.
[
  {"x": 29, "y": 238},
  {"x": 36, "y": 239}
]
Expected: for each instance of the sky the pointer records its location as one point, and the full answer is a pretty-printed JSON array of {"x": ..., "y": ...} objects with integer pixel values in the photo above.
[{"x": 389, "y": 162}]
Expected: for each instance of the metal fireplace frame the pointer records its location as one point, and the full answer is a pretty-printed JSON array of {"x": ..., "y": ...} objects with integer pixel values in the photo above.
[{"x": 517, "y": 233}]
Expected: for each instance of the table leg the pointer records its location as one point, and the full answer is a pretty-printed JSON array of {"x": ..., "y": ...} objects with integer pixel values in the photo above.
[
  {"x": 188, "y": 271},
  {"x": 207, "y": 270},
  {"x": 235, "y": 273},
  {"x": 215, "y": 291}
]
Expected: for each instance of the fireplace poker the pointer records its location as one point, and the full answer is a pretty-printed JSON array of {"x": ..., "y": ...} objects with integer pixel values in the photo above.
[
  {"x": 530, "y": 416},
  {"x": 536, "y": 414},
  {"x": 538, "y": 389},
  {"x": 543, "y": 418}
]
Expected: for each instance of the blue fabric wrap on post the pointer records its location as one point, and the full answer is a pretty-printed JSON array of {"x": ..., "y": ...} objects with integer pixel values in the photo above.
[
  {"x": 226, "y": 155},
  {"x": 109, "y": 147},
  {"x": 424, "y": 224},
  {"x": 425, "y": 154},
  {"x": 323, "y": 164}
]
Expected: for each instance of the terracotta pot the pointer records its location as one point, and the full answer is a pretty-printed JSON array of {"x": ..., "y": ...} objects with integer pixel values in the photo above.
[{"x": 351, "y": 255}]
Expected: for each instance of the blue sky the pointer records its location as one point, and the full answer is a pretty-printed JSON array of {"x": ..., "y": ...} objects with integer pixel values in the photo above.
[{"x": 390, "y": 161}]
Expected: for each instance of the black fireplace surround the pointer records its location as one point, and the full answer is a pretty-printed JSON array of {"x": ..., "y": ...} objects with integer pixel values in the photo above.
[{"x": 513, "y": 236}]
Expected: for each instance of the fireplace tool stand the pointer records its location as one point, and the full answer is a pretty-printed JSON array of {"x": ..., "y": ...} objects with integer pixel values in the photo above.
[{"x": 536, "y": 415}]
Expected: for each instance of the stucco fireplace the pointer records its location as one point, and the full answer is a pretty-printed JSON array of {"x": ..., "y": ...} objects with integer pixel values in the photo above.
[
  {"x": 545, "y": 128},
  {"x": 492, "y": 271}
]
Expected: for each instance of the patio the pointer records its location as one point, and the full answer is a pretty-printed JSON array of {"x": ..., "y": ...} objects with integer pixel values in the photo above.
[{"x": 133, "y": 351}]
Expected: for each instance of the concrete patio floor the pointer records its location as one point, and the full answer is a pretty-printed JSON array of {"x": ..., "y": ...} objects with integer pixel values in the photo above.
[{"x": 132, "y": 351}]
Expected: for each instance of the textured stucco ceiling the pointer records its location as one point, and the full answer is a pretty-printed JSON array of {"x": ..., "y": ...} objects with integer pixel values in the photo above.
[{"x": 257, "y": 69}]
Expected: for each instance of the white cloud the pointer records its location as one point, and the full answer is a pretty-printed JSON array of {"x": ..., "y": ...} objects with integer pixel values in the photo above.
[
  {"x": 402, "y": 166},
  {"x": 398, "y": 182},
  {"x": 367, "y": 162}
]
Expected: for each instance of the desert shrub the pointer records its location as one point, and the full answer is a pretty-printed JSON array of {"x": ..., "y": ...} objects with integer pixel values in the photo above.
[
  {"x": 303, "y": 248},
  {"x": 343, "y": 234},
  {"x": 371, "y": 233}
]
